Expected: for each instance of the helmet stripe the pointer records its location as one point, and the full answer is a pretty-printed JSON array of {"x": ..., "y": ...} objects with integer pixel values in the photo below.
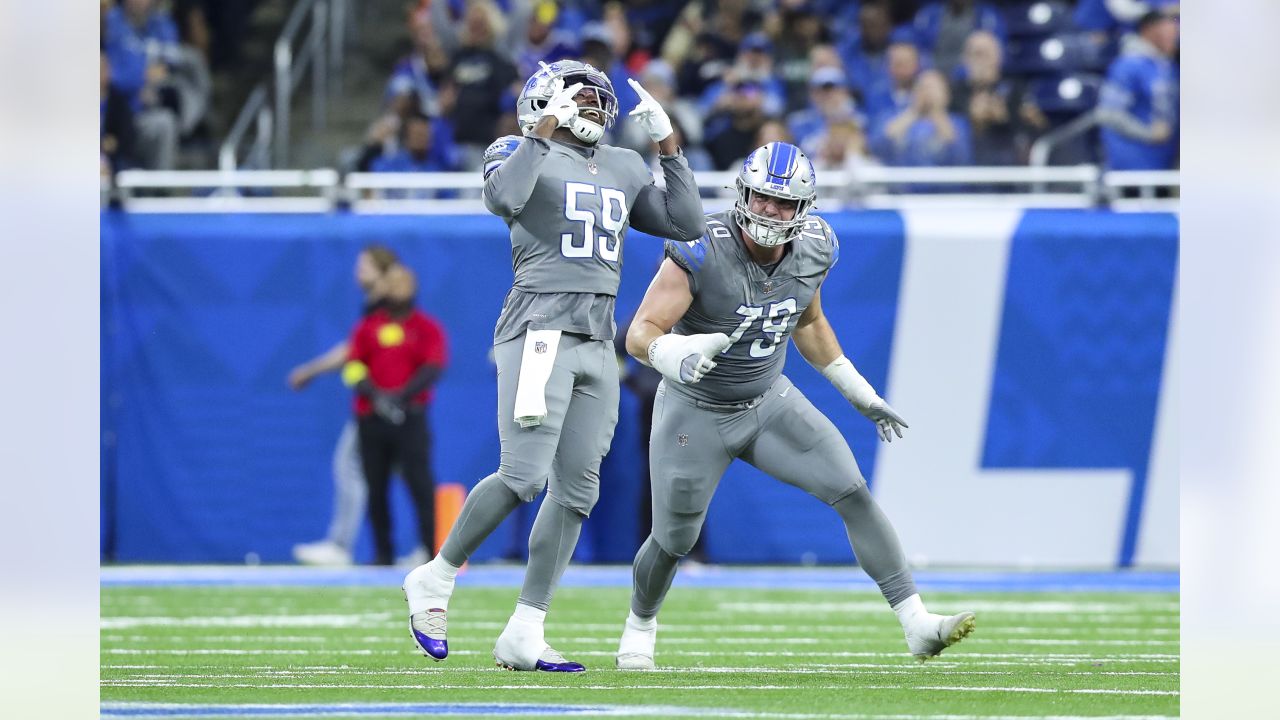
[{"x": 780, "y": 161}]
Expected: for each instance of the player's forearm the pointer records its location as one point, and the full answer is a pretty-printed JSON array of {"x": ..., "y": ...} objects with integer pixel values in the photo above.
[
  {"x": 676, "y": 212},
  {"x": 508, "y": 187},
  {"x": 817, "y": 343},
  {"x": 640, "y": 336}
]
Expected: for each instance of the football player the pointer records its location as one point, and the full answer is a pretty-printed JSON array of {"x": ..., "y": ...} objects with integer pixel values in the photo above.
[
  {"x": 568, "y": 200},
  {"x": 715, "y": 322}
]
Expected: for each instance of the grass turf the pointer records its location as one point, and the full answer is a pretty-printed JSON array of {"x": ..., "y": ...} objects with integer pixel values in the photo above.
[{"x": 776, "y": 653}]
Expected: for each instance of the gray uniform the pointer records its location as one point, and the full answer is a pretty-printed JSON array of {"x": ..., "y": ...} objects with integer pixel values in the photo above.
[
  {"x": 744, "y": 408},
  {"x": 569, "y": 208}
]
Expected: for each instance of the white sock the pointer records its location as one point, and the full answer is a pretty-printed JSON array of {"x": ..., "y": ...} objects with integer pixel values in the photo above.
[
  {"x": 530, "y": 614},
  {"x": 909, "y": 611},
  {"x": 442, "y": 568},
  {"x": 636, "y": 622}
]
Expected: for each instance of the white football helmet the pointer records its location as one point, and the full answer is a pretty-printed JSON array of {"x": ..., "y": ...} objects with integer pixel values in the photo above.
[
  {"x": 778, "y": 170},
  {"x": 539, "y": 89}
]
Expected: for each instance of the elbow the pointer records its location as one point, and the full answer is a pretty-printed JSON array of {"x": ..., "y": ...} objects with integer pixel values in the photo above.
[
  {"x": 693, "y": 227},
  {"x": 496, "y": 204}
]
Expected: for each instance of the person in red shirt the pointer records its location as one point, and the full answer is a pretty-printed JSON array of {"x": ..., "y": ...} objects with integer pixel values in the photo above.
[{"x": 397, "y": 354}]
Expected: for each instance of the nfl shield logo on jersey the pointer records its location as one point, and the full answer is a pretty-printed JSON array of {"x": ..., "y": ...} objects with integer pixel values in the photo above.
[
  {"x": 540, "y": 347},
  {"x": 592, "y": 168},
  {"x": 682, "y": 440},
  {"x": 768, "y": 286}
]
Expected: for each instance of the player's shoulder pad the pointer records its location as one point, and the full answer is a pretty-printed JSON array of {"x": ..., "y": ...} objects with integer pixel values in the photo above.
[
  {"x": 498, "y": 151},
  {"x": 692, "y": 254}
]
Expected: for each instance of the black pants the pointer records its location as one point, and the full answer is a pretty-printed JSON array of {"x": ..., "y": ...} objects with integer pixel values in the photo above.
[{"x": 383, "y": 445}]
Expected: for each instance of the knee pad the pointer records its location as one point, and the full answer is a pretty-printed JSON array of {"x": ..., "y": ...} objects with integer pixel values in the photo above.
[{"x": 678, "y": 541}]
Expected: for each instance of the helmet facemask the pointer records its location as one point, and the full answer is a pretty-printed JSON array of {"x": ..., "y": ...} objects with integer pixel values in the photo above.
[{"x": 764, "y": 230}]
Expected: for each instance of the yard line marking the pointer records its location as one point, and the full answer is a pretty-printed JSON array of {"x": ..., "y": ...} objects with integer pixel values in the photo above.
[
  {"x": 558, "y": 688},
  {"x": 123, "y": 622}
]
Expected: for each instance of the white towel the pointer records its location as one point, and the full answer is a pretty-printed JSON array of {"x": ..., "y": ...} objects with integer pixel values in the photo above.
[{"x": 535, "y": 369}]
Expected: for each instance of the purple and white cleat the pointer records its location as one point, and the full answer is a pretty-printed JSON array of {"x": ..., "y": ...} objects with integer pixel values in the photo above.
[
  {"x": 549, "y": 661},
  {"x": 429, "y": 633}
]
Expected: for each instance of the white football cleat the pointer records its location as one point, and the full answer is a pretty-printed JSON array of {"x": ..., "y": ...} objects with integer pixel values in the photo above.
[
  {"x": 428, "y": 598},
  {"x": 521, "y": 646},
  {"x": 323, "y": 552},
  {"x": 932, "y": 633},
  {"x": 635, "y": 650}
]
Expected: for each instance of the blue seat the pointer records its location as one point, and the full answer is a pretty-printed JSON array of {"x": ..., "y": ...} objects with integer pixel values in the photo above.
[
  {"x": 1037, "y": 19},
  {"x": 1068, "y": 52}
]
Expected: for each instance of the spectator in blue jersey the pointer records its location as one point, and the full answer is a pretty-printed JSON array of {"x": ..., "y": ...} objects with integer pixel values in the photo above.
[
  {"x": 1138, "y": 106},
  {"x": 942, "y": 26},
  {"x": 422, "y": 72},
  {"x": 541, "y": 40},
  {"x": 829, "y": 102},
  {"x": 754, "y": 65},
  {"x": 866, "y": 52},
  {"x": 141, "y": 41},
  {"x": 415, "y": 156},
  {"x": 925, "y": 134},
  {"x": 887, "y": 100}
]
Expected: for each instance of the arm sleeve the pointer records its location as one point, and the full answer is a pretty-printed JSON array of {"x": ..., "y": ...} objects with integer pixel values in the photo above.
[
  {"x": 1117, "y": 98},
  {"x": 674, "y": 213},
  {"x": 511, "y": 173}
]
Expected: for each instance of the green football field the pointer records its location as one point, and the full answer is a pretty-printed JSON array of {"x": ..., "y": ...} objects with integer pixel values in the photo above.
[{"x": 345, "y": 651}]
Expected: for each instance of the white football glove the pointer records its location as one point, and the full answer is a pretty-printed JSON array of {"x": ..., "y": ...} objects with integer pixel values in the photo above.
[
  {"x": 687, "y": 358},
  {"x": 562, "y": 106},
  {"x": 864, "y": 399},
  {"x": 650, "y": 114}
]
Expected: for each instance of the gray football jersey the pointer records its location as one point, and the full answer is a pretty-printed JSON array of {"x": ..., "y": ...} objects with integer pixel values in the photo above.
[
  {"x": 569, "y": 208},
  {"x": 759, "y": 309}
]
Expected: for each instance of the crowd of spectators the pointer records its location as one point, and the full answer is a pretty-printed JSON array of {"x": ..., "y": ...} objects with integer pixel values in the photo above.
[
  {"x": 156, "y": 60},
  {"x": 933, "y": 83}
]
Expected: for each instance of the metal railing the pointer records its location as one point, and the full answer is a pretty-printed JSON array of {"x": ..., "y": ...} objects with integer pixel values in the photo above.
[
  {"x": 290, "y": 67},
  {"x": 255, "y": 115},
  {"x": 447, "y": 193}
]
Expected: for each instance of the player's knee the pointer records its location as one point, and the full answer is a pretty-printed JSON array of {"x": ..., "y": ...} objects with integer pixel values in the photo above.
[
  {"x": 581, "y": 500},
  {"x": 526, "y": 481},
  {"x": 677, "y": 542}
]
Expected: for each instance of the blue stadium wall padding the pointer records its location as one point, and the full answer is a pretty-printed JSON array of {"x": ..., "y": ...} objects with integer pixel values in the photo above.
[{"x": 208, "y": 457}]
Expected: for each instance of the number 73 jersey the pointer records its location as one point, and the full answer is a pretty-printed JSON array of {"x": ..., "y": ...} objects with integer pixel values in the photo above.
[{"x": 756, "y": 308}]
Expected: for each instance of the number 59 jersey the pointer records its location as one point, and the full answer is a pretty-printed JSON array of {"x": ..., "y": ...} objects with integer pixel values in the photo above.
[
  {"x": 569, "y": 209},
  {"x": 756, "y": 308}
]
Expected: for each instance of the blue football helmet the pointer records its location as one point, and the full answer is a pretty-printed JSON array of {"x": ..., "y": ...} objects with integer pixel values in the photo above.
[
  {"x": 782, "y": 171},
  {"x": 541, "y": 86}
]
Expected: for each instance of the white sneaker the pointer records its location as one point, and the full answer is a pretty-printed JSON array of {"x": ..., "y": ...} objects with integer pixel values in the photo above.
[
  {"x": 428, "y": 598},
  {"x": 324, "y": 552},
  {"x": 931, "y": 633},
  {"x": 635, "y": 650},
  {"x": 522, "y": 646}
]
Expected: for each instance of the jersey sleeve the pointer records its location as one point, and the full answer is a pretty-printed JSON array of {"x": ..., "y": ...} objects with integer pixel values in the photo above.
[
  {"x": 690, "y": 256},
  {"x": 498, "y": 152}
]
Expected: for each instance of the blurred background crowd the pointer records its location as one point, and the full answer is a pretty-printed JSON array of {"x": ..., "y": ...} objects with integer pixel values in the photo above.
[{"x": 901, "y": 83}]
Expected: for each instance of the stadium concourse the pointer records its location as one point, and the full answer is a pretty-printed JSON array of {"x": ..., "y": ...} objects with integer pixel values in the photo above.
[{"x": 743, "y": 642}]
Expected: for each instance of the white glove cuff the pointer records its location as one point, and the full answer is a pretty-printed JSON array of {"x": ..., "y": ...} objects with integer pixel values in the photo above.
[
  {"x": 656, "y": 347},
  {"x": 850, "y": 383}
]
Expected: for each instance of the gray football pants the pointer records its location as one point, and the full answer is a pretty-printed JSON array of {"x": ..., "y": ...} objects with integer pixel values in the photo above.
[
  {"x": 562, "y": 453},
  {"x": 782, "y": 434}
]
